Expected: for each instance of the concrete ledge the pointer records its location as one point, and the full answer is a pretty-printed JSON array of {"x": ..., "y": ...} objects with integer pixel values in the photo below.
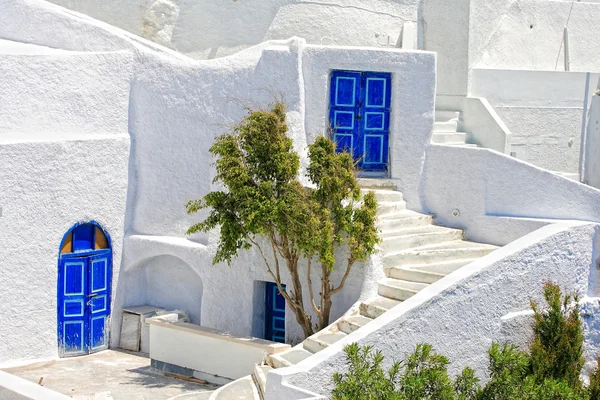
[{"x": 14, "y": 387}]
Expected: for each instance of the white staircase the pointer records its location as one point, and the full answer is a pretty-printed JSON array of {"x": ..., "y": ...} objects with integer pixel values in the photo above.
[
  {"x": 416, "y": 253},
  {"x": 445, "y": 129}
]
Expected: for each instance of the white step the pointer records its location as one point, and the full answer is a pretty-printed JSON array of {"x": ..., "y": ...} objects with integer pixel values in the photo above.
[
  {"x": 418, "y": 237},
  {"x": 260, "y": 377},
  {"x": 376, "y": 306},
  {"x": 426, "y": 273},
  {"x": 439, "y": 253},
  {"x": 449, "y": 137},
  {"x": 446, "y": 115},
  {"x": 374, "y": 183},
  {"x": 241, "y": 389},
  {"x": 350, "y": 324},
  {"x": 402, "y": 220},
  {"x": 462, "y": 144},
  {"x": 385, "y": 195},
  {"x": 289, "y": 358},
  {"x": 399, "y": 290},
  {"x": 445, "y": 126},
  {"x": 320, "y": 341},
  {"x": 390, "y": 207}
]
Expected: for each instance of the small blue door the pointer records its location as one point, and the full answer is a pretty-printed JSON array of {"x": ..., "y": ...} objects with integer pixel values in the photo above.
[
  {"x": 84, "y": 277},
  {"x": 359, "y": 114},
  {"x": 275, "y": 315}
]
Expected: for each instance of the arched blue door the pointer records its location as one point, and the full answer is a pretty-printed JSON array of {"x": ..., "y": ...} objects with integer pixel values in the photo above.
[{"x": 84, "y": 290}]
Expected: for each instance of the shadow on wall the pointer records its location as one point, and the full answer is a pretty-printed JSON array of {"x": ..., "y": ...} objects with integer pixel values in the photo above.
[{"x": 166, "y": 282}]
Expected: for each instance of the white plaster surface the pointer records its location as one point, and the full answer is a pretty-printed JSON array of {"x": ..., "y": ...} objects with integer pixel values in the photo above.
[
  {"x": 213, "y": 28},
  {"x": 469, "y": 305},
  {"x": 592, "y": 160},
  {"x": 542, "y": 109},
  {"x": 41, "y": 199},
  {"x": 484, "y": 125}
]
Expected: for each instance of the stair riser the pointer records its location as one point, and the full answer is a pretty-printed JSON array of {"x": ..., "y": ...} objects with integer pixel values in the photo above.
[
  {"x": 455, "y": 137},
  {"x": 371, "y": 311},
  {"x": 407, "y": 242},
  {"x": 387, "y": 208},
  {"x": 386, "y": 224},
  {"x": 347, "y": 327},
  {"x": 448, "y": 126},
  {"x": 388, "y": 195},
  {"x": 395, "y": 293},
  {"x": 434, "y": 256},
  {"x": 276, "y": 362},
  {"x": 314, "y": 346},
  {"x": 412, "y": 275},
  {"x": 444, "y": 115}
]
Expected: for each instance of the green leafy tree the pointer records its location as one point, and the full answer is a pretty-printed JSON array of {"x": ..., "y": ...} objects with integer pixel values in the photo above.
[{"x": 265, "y": 205}]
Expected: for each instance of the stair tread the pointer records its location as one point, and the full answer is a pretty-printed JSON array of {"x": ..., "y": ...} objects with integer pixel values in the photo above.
[
  {"x": 329, "y": 337},
  {"x": 382, "y": 302},
  {"x": 402, "y": 284},
  {"x": 416, "y": 230},
  {"x": 450, "y": 245},
  {"x": 352, "y": 323},
  {"x": 405, "y": 214}
]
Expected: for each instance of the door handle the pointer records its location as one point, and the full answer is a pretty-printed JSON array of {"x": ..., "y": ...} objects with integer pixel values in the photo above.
[{"x": 92, "y": 295}]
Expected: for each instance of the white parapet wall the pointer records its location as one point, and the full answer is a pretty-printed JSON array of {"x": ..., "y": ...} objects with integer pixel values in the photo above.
[
  {"x": 207, "y": 351},
  {"x": 591, "y": 173},
  {"x": 463, "y": 313}
]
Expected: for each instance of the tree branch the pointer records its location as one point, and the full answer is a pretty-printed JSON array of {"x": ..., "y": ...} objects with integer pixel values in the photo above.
[
  {"x": 310, "y": 288},
  {"x": 343, "y": 282}
]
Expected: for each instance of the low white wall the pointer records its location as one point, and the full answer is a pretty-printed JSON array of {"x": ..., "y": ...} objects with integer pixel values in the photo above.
[
  {"x": 41, "y": 199},
  {"x": 464, "y": 312},
  {"x": 487, "y": 188},
  {"x": 13, "y": 387},
  {"x": 542, "y": 109},
  {"x": 207, "y": 350},
  {"x": 484, "y": 125},
  {"x": 591, "y": 174}
]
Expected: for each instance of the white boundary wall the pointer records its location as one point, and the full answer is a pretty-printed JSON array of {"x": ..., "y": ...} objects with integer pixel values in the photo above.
[{"x": 483, "y": 302}]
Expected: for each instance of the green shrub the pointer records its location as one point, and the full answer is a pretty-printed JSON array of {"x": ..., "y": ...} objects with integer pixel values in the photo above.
[{"x": 549, "y": 371}]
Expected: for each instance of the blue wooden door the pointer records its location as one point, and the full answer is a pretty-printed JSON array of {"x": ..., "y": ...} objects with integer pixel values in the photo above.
[
  {"x": 83, "y": 302},
  {"x": 275, "y": 314},
  {"x": 360, "y": 116}
]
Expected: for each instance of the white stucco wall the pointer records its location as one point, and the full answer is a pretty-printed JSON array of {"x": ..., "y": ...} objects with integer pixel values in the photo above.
[
  {"x": 592, "y": 158},
  {"x": 474, "y": 306},
  {"x": 41, "y": 199},
  {"x": 542, "y": 109},
  {"x": 490, "y": 189},
  {"x": 210, "y": 29}
]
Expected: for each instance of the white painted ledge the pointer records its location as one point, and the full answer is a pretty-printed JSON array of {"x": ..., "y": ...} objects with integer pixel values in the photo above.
[
  {"x": 207, "y": 350},
  {"x": 28, "y": 389},
  {"x": 484, "y": 125}
]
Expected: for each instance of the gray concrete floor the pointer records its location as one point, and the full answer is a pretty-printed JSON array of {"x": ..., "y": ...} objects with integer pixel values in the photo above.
[{"x": 110, "y": 375}]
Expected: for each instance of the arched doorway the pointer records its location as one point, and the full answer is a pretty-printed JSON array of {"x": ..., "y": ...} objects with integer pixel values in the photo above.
[{"x": 84, "y": 290}]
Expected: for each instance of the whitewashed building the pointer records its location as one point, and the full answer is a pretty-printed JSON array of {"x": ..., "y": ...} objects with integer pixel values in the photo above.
[{"x": 461, "y": 109}]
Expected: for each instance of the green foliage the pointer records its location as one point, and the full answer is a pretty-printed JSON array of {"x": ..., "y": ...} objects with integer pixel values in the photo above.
[
  {"x": 549, "y": 371},
  {"x": 557, "y": 348},
  {"x": 264, "y": 203}
]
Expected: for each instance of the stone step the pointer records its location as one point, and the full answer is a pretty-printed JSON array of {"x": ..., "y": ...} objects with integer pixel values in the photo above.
[
  {"x": 289, "y": 358},
  {"x": 426, "y": 273},
  {"x": 461, "y": 144},
  {"x": 376, "y": 306},
  {"x": 320, "y": 341},
  {"x": 241, "y": 389},
  {"x": 438, "y": 253},
  {"x": 390, "y": 207},
  {"x": 449, "y": 137},
  {"x": 419, "y": 237},
  {"x": 260, "y": 378},
  {"x": 350, "y": 324},
  {"x": 374, "y": 183},
  {"x": 445, "y": 115},
  {"x": 445, "y": 126},
  {"x": 402, "y": 220},
  {"x": 398, "y": 289},
  {"x": 385, "y": 195}
]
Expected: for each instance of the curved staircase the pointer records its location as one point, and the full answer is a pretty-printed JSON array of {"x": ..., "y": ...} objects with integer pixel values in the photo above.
[{"x": 416, "y": 253}]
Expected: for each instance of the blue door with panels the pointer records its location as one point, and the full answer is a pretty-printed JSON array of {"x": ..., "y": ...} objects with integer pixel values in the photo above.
[
  {"x": 359, "y": 114},
  {"x": 275, "y": 314},
  {"x": 84, "y": 291}
]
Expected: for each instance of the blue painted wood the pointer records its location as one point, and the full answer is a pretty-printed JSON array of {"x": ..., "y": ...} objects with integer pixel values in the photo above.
[
  {"x": 359, "y": 115},
  {"x": 84, "y": 295},
  {"x": 275, "y": 314}
]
